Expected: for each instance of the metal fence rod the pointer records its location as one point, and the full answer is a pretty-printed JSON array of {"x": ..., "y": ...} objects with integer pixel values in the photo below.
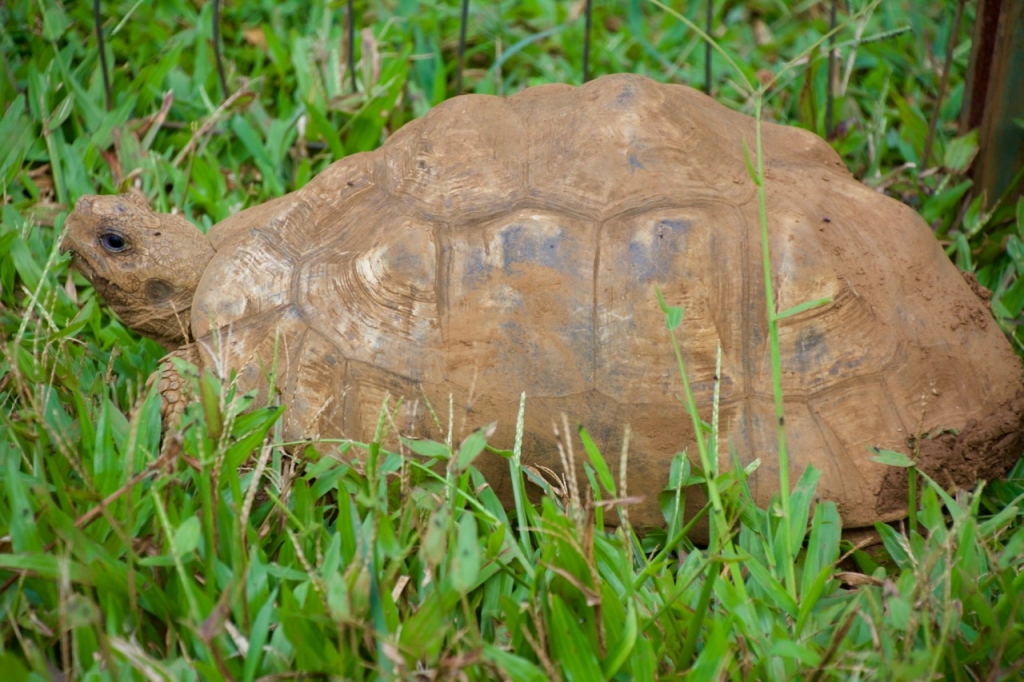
[
  {"x": 98, "y": 20},
  {"x": 586, "y": 41},
  {"x": 707, "y": 47},
  {"x": 216, "y": 49},
  {"x": 943, "y": 83},
  {"x": 462, "y": 46},
  {"x": 351, "y": 32},
  {"x": 831, "y": 70}
]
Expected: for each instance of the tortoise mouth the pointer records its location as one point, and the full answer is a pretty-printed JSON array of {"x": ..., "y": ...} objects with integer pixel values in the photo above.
[
  {"x": 103, "y": 286},
  {"x": 80, "y": 263}
]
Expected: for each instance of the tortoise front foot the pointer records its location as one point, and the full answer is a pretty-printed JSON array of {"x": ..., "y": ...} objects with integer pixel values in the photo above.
[{"x": 176, "y": 390}]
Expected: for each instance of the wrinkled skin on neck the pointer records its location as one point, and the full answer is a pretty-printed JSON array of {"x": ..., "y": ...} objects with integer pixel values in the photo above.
[{"x": 145, "y": 265}]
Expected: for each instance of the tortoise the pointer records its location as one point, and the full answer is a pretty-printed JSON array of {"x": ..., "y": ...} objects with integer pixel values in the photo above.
[{"x": 502, "y": 245}]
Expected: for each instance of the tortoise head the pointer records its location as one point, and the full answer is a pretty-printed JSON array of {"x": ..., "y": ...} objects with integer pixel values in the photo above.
[{"x": 145, "y": 265}]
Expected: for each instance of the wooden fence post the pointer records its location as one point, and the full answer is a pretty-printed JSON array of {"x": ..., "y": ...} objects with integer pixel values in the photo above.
[{"x": 994, "y": 97}]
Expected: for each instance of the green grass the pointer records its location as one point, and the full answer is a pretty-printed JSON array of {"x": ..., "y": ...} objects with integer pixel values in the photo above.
[{"x": 121, "y": 558}]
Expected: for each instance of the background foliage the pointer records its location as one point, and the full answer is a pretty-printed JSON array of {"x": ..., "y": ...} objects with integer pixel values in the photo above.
[{"x": 122, "y": 560}]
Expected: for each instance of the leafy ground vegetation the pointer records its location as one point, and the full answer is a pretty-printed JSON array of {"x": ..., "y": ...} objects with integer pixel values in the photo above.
[{"x": 217, "y": 555}]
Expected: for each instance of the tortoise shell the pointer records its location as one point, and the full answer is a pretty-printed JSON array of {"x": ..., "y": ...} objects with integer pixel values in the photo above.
[{"x": 502, "y": 245}]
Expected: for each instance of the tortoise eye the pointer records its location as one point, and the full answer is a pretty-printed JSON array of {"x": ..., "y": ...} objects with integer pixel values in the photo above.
[{"x": 111, "y": 241}]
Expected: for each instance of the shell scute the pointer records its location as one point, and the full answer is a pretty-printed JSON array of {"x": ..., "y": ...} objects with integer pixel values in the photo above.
[
  {"x": 380, "y": 288},
  {"x": 252, "y": 277}
]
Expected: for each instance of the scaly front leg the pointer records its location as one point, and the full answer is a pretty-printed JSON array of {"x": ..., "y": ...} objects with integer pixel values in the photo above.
[{"x": 176, "y": 390}]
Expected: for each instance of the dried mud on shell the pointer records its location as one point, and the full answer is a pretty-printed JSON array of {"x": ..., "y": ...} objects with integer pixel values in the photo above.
[{"x": 984, "y": 449}]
